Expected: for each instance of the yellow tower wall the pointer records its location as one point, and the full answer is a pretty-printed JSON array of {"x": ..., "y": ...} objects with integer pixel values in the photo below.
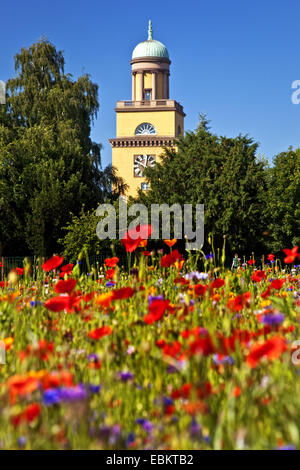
[{"x": 163, "y": 121}]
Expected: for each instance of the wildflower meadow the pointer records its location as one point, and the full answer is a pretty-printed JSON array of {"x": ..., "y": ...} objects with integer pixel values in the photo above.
[{"x": 175, "y": 351}]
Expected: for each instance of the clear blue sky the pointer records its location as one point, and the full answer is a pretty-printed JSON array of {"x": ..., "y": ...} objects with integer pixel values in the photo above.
[{"x": 234, "y": 60}]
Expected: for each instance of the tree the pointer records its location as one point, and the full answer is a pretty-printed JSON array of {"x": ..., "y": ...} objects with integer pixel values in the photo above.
[
  {"x": 49, "y": 166},
  {"x": 283, "y": 201},
  {"x": 223, "y": 174}
]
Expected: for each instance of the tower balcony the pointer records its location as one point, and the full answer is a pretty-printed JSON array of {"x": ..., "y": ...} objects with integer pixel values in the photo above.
[{"x": 149, "y": 105}]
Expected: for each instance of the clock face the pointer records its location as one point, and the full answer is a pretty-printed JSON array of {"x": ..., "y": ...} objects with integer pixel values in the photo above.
[{"x": 141, "y": 162}]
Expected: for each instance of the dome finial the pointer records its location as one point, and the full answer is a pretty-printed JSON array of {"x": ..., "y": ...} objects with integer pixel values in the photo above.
[{"x": 150, "y": 30}]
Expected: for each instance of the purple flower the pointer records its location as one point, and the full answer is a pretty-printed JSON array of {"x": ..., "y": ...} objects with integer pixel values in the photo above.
[
  {"x": 195, "y": 428},
  {"x": 168, "y": 401},
  {"x": 94, "y": 388},
  {"x": 53, "y": 396},
  {"x": 125, "y": 376},
  {"x": 93, "y": 357},
  {"x": 224, "y": 360},
  {"x": 196, "y": 276},
  {"x": 272, "y": 319},
  {"x": 130, "y": 439},
  {"x": 210, "y": 256},
  {"x": 73, "y": 393},
  {"x": 288, "y": 447},
  {"x": 34, "y": 303},
  {"x": 152, "y": 298},
  {"x": 22, "y": 441},
  {"x": 146, "y": 425}
]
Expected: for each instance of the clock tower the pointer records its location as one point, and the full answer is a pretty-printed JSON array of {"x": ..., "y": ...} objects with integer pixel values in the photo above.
[{"x": 151, "y": 120}]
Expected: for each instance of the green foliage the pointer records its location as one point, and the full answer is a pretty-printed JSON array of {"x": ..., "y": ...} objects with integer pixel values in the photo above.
[
  {"x": 49, "y": 165},
  {"x": 223, "y": 174},
  {"x": 283, "y": 201},
  {"x": 81, "y": 235}
]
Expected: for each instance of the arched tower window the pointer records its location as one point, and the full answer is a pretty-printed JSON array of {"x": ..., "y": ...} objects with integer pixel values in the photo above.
[{"x": 145, "y": 129}]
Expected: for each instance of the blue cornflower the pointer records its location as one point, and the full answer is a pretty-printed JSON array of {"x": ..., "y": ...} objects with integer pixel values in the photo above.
[
  {"x": 130, "y": 439},
  {"x": 288, "y": 447},
  {"x": 94, "y": 388},
  {"x": 272, "y": 319},
  {"x": 146, "y": 425},
  {"x": 51, "y": 396},
  {"x": 22, "y": 441},
  {"x": 223, "y": 360},
  {"x": 125, "y": 376},
  {"x": 195, "y": 428},
  {"x": 168, "y": 401},
  {"x": 152, "y": 298},
  {"x": 110, "y": 284},
  {"x": 34, "y": 303},
  {"x": 73, "y": 393}
]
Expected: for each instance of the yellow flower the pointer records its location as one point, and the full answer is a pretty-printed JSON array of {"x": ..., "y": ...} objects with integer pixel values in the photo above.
[
  {"x": 8, "y": 342},
  {"x": 104, "y": 299},
  {"x": 265, "y": 303}
]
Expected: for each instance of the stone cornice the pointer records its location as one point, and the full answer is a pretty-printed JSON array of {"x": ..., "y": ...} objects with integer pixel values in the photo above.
[
  {"x": 150, "y": 59},
  {"x": 143, "y": 141}
]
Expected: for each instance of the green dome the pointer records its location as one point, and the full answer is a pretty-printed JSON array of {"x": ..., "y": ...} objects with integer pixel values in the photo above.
[{"x": 150, "y": 48}]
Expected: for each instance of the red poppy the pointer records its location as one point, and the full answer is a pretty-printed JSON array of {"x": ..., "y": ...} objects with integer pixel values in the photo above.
[
  {"x": 170, "y": 243},
  {"x": 171, "y": 258},
  {"x": 251, "y": 262},
  {"x": 110, "y": 273},
  {"x": 217, "y": 283},
  {"x": 266, "y": 293},
  {"x": 20, "y": 271},
  {"x": 202, "y": 345},
  {"x": 20, "y": 385},
  {"x": 32, "y": 411},
  {"x": 205, "y": 390},
  {"x": 182, "y": 392},
  {"x": 123, "y": 293},
  {"x": 277, "y": 283},
  {"x": 156, "y": 310},
  {"x": 172, "y": 349},
  {"x": 272, "y": 349},
  {"x": 291, "y": 254},
  {"x": 111, "y": 262},
  {"x": 239, "y": 302},
  {"x": 52, "y": 263},
  {"x": 146, "y": 253},
  {"x": 271, "y": 257},
  {"x": 65, "y": 287},
  {"x": 200, "y": 289},
  {"x": 133, "y": 237},
  {"x": 100, "y": 332},
  {"x": 58, "y": 304},
  {"x": 258, "y": 276},
  {"x": 66, "y": 270}
]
